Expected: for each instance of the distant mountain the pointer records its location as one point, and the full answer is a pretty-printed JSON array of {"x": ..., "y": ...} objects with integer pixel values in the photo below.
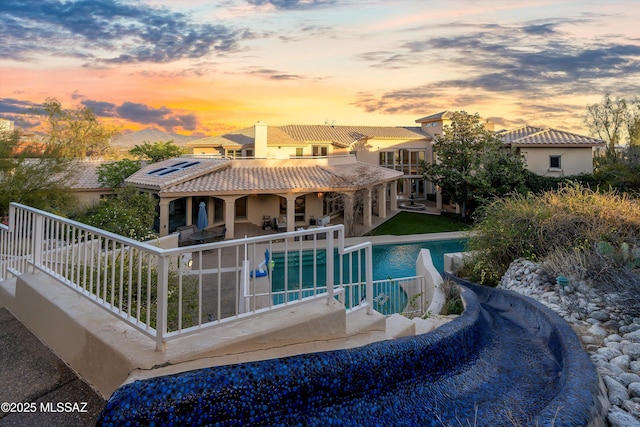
[{"x": 126, "y": 141}]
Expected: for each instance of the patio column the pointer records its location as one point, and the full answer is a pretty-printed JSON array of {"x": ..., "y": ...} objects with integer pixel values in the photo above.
[
  {"x": 164, "y": 217},
  {"x": 229, "y": 215},
  {"x": 438, "y": 198},
  {"x": 291, "y": 212},
  {"x": 393, "y": 202},
  {"x": 348, "y": 214},
  {"x": 189, "y": 212},
  {"x": 382, "y": 200},
  {"x": 366, "y": 208},
  {"x": 210, "y": 210}
]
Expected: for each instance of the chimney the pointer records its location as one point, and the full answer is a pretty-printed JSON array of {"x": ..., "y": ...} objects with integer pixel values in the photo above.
[{"x": 260, "y": 141}]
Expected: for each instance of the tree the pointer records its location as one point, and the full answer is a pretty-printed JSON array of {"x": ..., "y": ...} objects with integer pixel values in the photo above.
[
  {"x": 156, "y": 152},
  {"x": 74, "y": 133},
  {"x": 502, "y": 172},
  {"x": 34, "y": 178},
  {"x": 632, "y": 119},
  {"x": 129, "y": 214},
  {"x": 459, "y": 153},
  {"x": 615, "y": 121},
  {"x": 112, "y": 175}
]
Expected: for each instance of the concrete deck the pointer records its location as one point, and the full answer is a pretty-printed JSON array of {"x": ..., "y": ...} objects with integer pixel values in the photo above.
[{"x": 36, "y": 378}]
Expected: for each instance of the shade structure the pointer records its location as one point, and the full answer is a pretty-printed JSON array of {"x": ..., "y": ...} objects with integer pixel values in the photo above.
[{"x": 203, "y": 221}]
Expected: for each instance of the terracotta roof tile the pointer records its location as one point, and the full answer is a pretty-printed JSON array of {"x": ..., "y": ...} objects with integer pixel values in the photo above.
[
  {"x": 533, "y": 136},
  {"x": 174, "y": 171},
  {"x": 342, "y": 136},
  {"x": 438, "y": 116},
  {"x": 86, "y": 177},
  {"x": 256, "y": 179}
]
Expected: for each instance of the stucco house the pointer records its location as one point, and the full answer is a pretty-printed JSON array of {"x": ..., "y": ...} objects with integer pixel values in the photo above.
[
  {"x": 291, "y": 176},
  {"x": 552, "y": 152},
  {"x": 547, "y": 151},
  {"x": 298, "y": 173}
]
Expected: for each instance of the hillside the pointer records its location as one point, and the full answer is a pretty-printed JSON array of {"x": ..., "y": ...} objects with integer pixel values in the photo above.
[{"x": 127, "y": 141}]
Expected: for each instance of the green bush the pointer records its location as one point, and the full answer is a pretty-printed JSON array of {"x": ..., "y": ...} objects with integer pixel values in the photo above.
[{"x": 532, "y": 226}]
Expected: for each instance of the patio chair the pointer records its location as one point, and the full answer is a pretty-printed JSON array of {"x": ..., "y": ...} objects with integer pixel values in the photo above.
[
  {"x": 280, "y": 223},
  {"x": 184, "y": 233}
]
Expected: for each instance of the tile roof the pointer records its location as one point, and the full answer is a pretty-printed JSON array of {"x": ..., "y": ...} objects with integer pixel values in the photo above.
[
  {"x": 438, "y": 116},
  {"x": 243, "y": 137},
  {"x": 342, "y": 136},
  {"x": 281, "y": 179},
  {"x": 174, "y": 171},
  {"x": 86, "y": 176},
  {"x": 527, "y": 136},
  {"x": 346, "y": 135}
]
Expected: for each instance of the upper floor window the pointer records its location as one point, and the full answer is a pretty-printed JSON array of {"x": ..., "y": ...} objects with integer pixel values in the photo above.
[
  {"x": 320, "y": 150},
  {"x": 298, "y": 151},
  {"x": 555, "y": 162}
]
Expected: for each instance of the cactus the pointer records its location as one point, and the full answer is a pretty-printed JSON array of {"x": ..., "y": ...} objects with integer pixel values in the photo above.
[{"x": 625, "y": 255}]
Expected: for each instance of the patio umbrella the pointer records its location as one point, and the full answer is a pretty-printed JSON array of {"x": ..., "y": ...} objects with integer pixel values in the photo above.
[{"x": 203, "y": 221}]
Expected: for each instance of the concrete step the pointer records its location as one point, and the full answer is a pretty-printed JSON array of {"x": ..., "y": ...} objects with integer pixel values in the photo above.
[
  {"x": 429, "y": 324},
  {"x": 399, "y": 326},
  {"x": 359, "y": 321},
  {"x": 7, "y": 292}
]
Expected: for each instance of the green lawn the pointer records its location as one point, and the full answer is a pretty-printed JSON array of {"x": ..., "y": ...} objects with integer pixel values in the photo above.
[{"x": 417, "y": 223}]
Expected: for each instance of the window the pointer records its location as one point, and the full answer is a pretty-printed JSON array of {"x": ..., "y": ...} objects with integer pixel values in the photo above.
[
  {"x": 241, "y": 208},
  {"x": 248, "y": 153},
  {"x": 319, "y": 150},
  {"x": 554, "y": 162},
  {"x": 234, "y": 153},
  {"x": 299, "y": 152}
]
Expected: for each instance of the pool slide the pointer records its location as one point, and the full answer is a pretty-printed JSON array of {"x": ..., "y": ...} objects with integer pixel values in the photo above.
[{"x": 506, "y": 361}]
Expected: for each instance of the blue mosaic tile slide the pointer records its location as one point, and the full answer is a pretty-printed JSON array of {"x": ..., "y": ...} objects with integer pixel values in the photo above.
[{"x": 506, "y": 361}]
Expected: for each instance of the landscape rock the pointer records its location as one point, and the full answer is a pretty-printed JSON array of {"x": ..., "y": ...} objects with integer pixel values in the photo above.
[
  {"x": 617, "y": 392},
  {"x": 634, "y": 389},
  {"x": 608, "y": 334},
  {"x": 619, "y": 418}
]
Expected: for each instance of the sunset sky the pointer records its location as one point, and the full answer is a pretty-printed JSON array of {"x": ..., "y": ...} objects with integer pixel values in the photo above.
[{"x": 191, "y": 67}]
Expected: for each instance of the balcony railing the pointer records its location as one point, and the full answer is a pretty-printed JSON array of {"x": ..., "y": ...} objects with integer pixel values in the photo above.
[{"x": 167, "y": 293}]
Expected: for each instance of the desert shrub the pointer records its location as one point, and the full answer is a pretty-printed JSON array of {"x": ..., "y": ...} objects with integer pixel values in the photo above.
[
  {"x": 453, "y": 302},
  {"x": 532, "y": 226}
]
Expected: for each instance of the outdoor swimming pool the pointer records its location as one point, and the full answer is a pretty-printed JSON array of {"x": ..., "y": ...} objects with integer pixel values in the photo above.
[
  {"x": 390, "y": 262},
  {"x": 399, "y": 259}
]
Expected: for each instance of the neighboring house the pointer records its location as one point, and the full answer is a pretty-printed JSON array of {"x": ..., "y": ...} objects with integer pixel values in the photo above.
[
  {"x": 552, "y": 152},
  {"x": 85, "y": 185}
]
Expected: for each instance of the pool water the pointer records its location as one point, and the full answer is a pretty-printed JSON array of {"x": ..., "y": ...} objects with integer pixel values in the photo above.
[
  {"x": 390, "y": 261},
  {"x": 399, "y": 260}
]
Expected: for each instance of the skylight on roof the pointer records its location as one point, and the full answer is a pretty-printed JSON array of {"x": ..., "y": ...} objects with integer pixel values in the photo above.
[{"x": 173, "y": 168}]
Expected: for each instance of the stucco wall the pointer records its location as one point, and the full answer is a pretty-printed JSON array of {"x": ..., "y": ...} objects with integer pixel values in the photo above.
[{"x": 574, "y": 160}]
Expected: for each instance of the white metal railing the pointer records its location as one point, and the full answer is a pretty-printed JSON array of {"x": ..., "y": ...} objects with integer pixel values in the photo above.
[
  {"x": 167, "y": 293},
  {"x": 403, "y": 295}
]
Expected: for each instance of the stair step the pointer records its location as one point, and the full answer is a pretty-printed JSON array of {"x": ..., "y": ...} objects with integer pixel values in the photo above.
[
  {"x": 359, "y": 321},
  {"x": 399, "y": 326}
]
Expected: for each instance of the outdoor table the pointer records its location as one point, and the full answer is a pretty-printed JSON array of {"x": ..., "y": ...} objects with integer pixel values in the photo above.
[{"x": 203, "y": 236}]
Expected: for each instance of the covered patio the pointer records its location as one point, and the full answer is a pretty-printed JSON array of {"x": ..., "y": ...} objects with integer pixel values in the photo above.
[{"x": 269, "y": 195}]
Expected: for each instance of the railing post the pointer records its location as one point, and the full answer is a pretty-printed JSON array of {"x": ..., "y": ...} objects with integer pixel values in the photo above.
[
  {"x": 38, "y": 240},
  {"x": 163, "y": 295},
  {"x": 368, "y": 268},
  {"x": 330, "y": 268}
]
